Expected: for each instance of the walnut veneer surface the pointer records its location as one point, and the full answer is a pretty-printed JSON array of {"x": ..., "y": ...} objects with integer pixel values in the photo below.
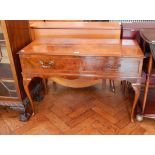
[
  {"x": 75, "y": 29},
  {"x": 88, "y": 58},
  {"x": 86, "y": 47}
]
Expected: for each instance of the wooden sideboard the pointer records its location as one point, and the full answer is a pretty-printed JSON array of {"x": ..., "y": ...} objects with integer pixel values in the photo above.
[
  {"x": 72, "y": 58},
  {"x": 76, "y": 29}
]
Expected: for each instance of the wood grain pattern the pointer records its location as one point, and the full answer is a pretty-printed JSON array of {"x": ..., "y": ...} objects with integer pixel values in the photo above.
[
  {"x": 108, "y": 59},
  {"x": 16, "y": 34},
  {"x": 104, "y": 30},
  {"x": 84, "y": 47},
  {"x": 74, "y": 29},
  {"x": 104, "y": 58},
  {"x": 76, "y": 25},
  {"x": 104, "y": 67},
  {"x": 95, "y": 111}
]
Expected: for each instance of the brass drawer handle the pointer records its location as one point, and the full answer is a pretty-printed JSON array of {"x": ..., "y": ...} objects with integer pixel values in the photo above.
[
  {"x": 112, "y": 66},
  {"x": 46, "y": 65}
]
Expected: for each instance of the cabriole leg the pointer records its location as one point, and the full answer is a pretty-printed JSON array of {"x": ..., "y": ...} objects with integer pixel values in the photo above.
[
  {"x": 26, "y": 82},
  {"x": 136, "y": 89},
  {"x": 45, "y": 85},
  {"x": 147, "y": 83}
]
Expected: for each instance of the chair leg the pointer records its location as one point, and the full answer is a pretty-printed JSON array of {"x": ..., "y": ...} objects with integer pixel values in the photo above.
[
  {"x": 136, "y": 89},
  {"x": 147, "y": 83},
  {"x": 145, "y": 93}
]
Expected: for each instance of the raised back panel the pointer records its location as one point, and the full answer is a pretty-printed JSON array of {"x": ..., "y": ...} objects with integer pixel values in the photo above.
[{"x": 103, "y": 30}]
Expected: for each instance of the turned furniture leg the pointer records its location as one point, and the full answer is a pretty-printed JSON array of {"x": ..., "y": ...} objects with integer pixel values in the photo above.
[
  {"x": 147, "y": 82},
  {"x": 26, "y": 82},
  {"x": 136, "y": 89},
  {"x": 45, "y": 85}
]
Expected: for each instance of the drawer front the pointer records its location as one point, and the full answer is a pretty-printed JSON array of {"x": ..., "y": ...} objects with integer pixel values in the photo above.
[
  {"x": 47, "y": 64},
  {"x": 113, "y": 66}
]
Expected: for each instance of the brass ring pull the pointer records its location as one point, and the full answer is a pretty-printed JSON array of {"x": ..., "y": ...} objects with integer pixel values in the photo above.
[{"x": 46, "y": 65}]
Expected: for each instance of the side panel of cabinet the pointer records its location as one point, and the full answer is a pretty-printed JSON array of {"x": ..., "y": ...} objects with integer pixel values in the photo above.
[{"x": 17, "y": 36}]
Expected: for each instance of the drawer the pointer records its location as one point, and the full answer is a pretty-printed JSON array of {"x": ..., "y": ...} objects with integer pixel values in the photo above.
[
  {"x": 46, "y": 64},
  {"x": 114, "y": 66}
]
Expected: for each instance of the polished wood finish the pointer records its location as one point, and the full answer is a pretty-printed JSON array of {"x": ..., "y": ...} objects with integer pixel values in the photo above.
[
  {"x": 95, "y": 111},
  {"x": 88, "y": 58},
  {"x": 76, "y": 25},
  {"x": 75, "y": 29},
  {"x": 16, "y": 36},
  {"x": 102, "y": 30},
  {"x": 26, "y": 83},
  {"x": 149, "y": 38},
  {"x": 87, "y": 47},
  {"x": 131, "y": 30},
  {"x": 147, "y": 82}
]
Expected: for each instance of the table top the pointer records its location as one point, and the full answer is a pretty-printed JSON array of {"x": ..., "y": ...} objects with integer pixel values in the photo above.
[
  {"x": 83, "y": 47},
  {"x": 148, "y": 35}
]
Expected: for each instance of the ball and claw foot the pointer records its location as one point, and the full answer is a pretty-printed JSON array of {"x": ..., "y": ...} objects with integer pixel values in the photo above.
[
  {"x": 139, "y": 117},
  {"x": 24, "y": 117}
]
